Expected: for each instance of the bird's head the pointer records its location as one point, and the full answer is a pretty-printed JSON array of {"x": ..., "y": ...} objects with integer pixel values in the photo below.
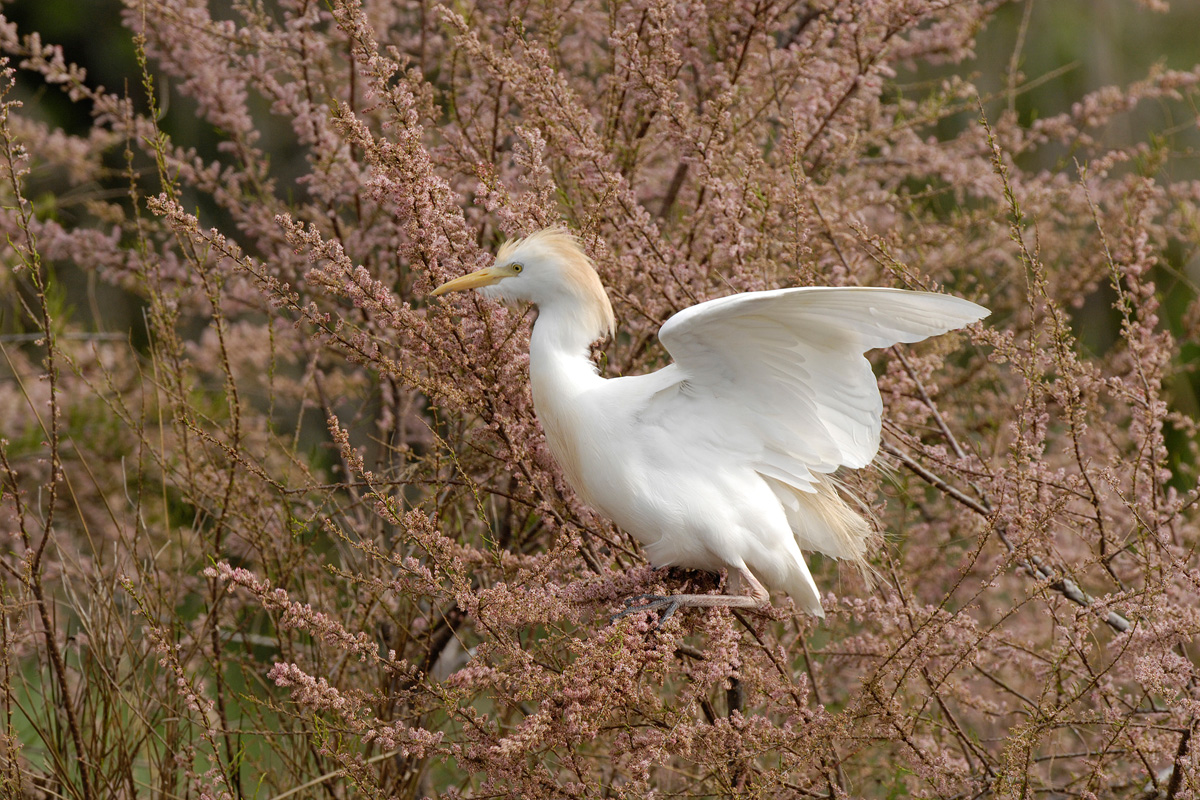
[{"x": 548, "y": 269}]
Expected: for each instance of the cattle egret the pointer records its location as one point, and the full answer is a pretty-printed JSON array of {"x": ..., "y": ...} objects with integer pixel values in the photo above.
[{"x": 723, "y": 459}]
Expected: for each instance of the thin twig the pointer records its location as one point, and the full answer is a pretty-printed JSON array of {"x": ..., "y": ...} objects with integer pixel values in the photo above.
[{"x": 1033, "y": 565}]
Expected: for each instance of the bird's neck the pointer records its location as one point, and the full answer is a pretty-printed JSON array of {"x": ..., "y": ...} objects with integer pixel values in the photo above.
[
  {"x": 559, "y": 351},
  {"x": 560, "y": 373}
]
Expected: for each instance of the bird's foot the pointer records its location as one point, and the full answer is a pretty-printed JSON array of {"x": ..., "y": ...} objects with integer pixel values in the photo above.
[{"x": 665, "y": 605}]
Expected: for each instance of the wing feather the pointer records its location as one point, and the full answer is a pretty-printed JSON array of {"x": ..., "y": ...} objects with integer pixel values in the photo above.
[{"x": 784, "y": 370}]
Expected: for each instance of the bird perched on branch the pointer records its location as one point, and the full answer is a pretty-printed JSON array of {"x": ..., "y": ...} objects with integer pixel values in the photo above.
[{"x": 723, "y": 459}]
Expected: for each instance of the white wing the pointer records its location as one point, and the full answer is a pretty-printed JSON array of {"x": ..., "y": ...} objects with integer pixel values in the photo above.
[{"x": 783, "y": 371}]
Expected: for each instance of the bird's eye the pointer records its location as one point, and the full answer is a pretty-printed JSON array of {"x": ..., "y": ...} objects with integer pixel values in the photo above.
[{"x": 516, "y": 268}]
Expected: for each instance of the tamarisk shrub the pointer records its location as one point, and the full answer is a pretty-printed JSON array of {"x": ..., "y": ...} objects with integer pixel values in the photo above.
[{"x": 287, "y": 529}]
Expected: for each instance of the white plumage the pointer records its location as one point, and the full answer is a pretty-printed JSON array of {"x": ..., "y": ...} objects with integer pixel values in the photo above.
[{"x": 722, "y": 459}]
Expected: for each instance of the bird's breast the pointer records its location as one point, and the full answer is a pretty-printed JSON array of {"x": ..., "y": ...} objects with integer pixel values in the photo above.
[
  {"x": 564, "y": 438},
  {"x": 595, "y": 442}
]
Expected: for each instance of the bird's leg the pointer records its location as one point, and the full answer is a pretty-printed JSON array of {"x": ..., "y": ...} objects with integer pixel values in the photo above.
[{"x": 668, "y": 604}]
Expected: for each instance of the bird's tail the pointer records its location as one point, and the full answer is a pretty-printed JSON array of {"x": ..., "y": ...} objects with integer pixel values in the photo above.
[{"x": 824, "y": 522}]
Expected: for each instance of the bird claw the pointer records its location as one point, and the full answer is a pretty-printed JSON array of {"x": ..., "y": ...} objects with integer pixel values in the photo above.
[{"x": 665, "y": 605}]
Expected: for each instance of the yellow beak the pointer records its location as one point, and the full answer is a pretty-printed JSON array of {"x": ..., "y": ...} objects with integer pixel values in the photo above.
[{"x": 473, "y": 280}]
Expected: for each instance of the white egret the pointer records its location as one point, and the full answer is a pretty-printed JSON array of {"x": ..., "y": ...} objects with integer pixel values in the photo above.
[{"x": 724, "y": 458}]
